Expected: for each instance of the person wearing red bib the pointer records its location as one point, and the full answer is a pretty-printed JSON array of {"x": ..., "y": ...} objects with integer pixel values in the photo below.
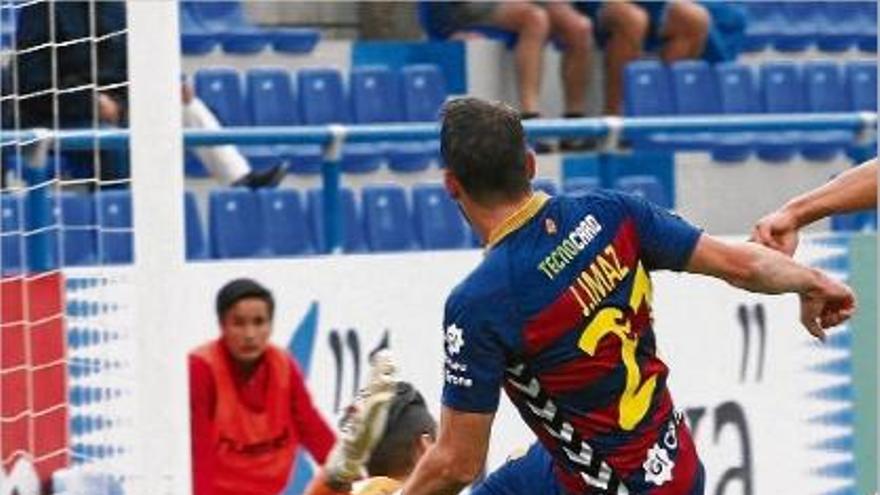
[{"x": 249, "y": 406}]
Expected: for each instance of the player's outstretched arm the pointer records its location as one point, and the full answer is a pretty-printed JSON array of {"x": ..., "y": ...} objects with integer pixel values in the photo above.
[
  {"x": 456, "y": 459},
  {"x": 824, "y": 302},
  {"x": 855, "y": 189},
  {"x": 361, "y": 429}
]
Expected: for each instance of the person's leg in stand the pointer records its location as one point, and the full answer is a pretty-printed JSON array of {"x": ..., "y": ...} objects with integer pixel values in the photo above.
[
  {"x": 626, "y": 25},
  {"x": 225, "y": 163},
  {"x": 684, "y": 29}
]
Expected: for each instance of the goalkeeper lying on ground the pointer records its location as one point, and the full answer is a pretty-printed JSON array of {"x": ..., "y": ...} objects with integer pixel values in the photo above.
[{"x": 388, "y": 428}]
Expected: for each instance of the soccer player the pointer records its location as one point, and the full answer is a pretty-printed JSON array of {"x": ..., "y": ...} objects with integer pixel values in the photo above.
[
  {"x": 249, "y": 406},
  {"x": 558, "y": 313},
  {"x": 855, "y": 189},
  {"x": 384, "y": 432}
]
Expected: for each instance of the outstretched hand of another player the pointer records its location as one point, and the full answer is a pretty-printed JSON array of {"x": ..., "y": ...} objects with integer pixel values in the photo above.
[
  {"x": 363, "y": 423},
  {"x": 778, "y": 231},
  {"x": 829, "y": 303}
]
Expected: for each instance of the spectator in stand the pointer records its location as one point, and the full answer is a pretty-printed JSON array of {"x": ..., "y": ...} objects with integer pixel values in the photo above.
[
  {"x": 534, "y": 23},
  {"x": 73, "y": 76},
  {"x": 677, "y": 28},
  {"x": 249, "y": 405}
]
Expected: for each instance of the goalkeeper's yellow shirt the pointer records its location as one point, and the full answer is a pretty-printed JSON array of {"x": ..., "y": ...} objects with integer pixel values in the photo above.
[{"x": 379, "y": 485}]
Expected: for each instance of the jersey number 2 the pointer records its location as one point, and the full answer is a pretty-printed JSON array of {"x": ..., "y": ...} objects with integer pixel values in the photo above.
[{"x": 636, "y": 396}]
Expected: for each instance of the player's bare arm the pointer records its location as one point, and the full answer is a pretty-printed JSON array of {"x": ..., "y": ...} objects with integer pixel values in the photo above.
[
  {"x": 855, "y": 189},
  {"x": 456, "y": 459},
  {"x": 824, "y": 302}
]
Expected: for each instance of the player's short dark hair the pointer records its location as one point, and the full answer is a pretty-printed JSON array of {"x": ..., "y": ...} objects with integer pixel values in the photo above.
[
  {"x": 242, "y": 288},
  {"x": 484, "y": 146},
  {"x": 408, "y": 420}
]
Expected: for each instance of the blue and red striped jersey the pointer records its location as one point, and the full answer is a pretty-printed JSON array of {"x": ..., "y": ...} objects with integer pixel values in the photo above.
[{"x": 558, "y": 314}]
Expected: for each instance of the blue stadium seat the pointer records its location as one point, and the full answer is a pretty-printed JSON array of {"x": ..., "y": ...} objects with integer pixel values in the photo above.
[
  {"x": 294, "y": 40},
  {"x": 10, "y": 235},
  {"x": 270, "y": 97},
  {"x": 114, "y": 214},
  {"x": 322, "y": 101},
  {"x": 838, "y": 26},
  {"x": 763, "y": 22},
  {"x": 580, "y": 185},
  {"x": 545, "y": 185},
  {"x": 800, "y": 26},
  {"x": 866, "y": 26},
  {"x": 78, "y": 228},
  {"x": 387, "y": 220},
  {"x": 196, "y": 248},
  {"x": 424, "y": 91},
  {"x": 234, "y": 224},
  {"x": 858, "y": 221},
  {"x": 782, "y": 92},
  {"x": 824, "y": 86},
  {"x": 220, "y": 89},
  {"x": 285, "y": 225},
  {"x": 271, "y": 101},
  {"x": 438, "y": 222},
  {"x": 695, "y": 88},
  {"x": 375, "y": 98},
  {"x": 861, "y": 81},
  {"x": 227, "y": 21},
  {"x": 646, "y": 186},
  {"x": 647, "y": 90},
  {"x": 738, "y": 95},
  {"x": 375, "y": 95},
  {"x": 194, "y": 38},
  {"x": 352, "y": 226},
  {"x": 695, "y": 92}
]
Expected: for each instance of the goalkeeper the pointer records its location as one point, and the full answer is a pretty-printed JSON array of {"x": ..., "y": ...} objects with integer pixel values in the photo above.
[{"x": 384, "y": 432}]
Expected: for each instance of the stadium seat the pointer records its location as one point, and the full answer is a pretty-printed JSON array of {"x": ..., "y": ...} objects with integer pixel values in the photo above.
[
  {"x": 194, "y": 38},
  {"x": 799, "y": 27},
  {"x": 545, "y": 185},
  {"x": 861, "y": 84},
  {"x": 866, "y": 26},
  {"x": 763, "y": 22},
  {"x": 695, "y": 88},
  {"x": 10, "y": 234},
  {"x": 645, "y": 186},
  {"x": 438, "y": 222},
  {"x": 854, "y": 222},
  {"x": 825, "y": 91},
  {"x": 375, "y": 98},
  {"x": 738, "y": 94},
  {"x": 352, "y": 226},
  {"x": 824, "y": 86},
  {"x": 271, "y": 101},
  {"x": 220, "y": 89},
  {"x": 782, "y": 92},
  {"x": 226, "y": 20},
  {"x": 234, "y": 224},
  {"x": 838, "y": 26},
  {"x": 580, "y": 185},
  {"x": 284, "y": 222},
  {"x": 322, "y": 101},
  {"x": 647, "y": 91},
  {"x": 375, "y": 95},
  {"x": 387, "y": 221},
  {"x": 196, "y": 248},
  {"x": 78, "y": 227},
  {"x": 424, "y": 91},
  {"x": 114, "y": 214}
]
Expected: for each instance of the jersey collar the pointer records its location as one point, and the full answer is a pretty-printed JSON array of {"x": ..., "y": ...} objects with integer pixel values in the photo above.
[{"x": 518, "y": 218}]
